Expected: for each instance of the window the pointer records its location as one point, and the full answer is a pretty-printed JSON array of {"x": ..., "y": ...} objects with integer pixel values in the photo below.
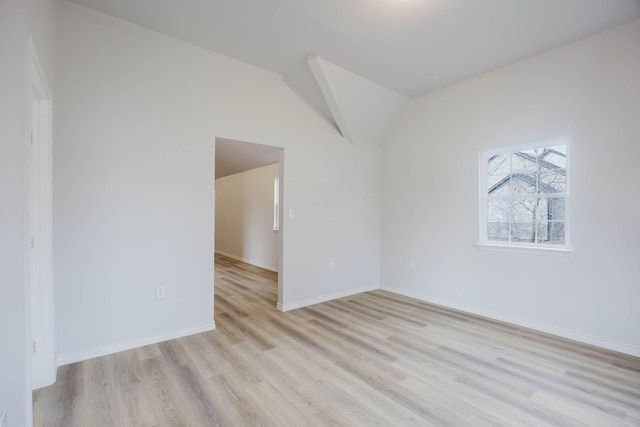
[
  {"x": 523, "y": 195},
  {"x": 276, "y": 203}
]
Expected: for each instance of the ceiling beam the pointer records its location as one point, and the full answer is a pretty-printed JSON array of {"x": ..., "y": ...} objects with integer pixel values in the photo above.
[{"x": 329, "y": 96}]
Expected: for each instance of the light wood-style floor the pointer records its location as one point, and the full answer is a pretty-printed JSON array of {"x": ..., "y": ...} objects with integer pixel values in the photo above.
[{"x": 374, "y": 359}]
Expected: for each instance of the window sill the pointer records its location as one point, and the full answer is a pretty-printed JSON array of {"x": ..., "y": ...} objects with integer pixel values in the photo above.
[{"x": 538, "y": 250}]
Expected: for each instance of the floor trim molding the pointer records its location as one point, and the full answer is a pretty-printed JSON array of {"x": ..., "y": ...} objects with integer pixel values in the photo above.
[
  {"x": 154, "y": 339},
  {"x": 324, "y": 298},
  {"x": 246, "y": 261},
  {"x": 560, "y": 332}
]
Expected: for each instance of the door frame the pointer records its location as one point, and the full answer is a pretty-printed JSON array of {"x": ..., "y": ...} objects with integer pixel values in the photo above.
[{"x": 39, "y": 226}]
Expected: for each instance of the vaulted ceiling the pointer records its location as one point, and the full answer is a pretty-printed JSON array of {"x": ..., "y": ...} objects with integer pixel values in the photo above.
[
  {"x": 409, "y": 46},
  {"x": 234, "y": 157}
]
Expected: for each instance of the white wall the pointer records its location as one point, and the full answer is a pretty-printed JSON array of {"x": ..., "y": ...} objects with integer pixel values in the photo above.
[
  {"x": 588, "y": 91},
  {"x": 18, "y": 18},
  {"x": 244, "y": 217},
  {"x": 137, "y": 117}
]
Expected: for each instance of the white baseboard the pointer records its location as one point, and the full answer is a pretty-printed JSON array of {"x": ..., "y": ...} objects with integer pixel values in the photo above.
[
  {"x": 46, "y": 383},
  {"x": 553, "y": 330},
  {"x": 324, "y": 298},
  {"x": 247, "y": 261},
  {"x": 103, "y": 351}
]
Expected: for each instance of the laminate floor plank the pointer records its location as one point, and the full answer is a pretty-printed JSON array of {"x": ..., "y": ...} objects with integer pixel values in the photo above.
[
  {"x": 372, "y": 359},
  {"x": 346, "y": 395}
]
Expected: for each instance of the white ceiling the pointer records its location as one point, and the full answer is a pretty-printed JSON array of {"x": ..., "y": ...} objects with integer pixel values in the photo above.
[
  {"x": 410, "y": 46},
  {"x": 237, "y": 156}
]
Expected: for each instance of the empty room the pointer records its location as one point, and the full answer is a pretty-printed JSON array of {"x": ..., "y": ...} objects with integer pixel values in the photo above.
[{"x": 444, "y": 228}]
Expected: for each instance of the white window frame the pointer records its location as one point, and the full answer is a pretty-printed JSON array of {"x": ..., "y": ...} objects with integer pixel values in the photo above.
[
  {"x": 276, "y": 203},
  {"x": 483, "y": 241}
]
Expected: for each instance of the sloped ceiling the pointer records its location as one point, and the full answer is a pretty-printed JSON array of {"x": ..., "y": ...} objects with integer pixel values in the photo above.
[
  {"x": 234, "y": 157},
  {"x": 409, "y": 46}
]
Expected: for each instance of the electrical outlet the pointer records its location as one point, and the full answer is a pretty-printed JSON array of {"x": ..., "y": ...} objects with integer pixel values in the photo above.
[
  {"x": 412, "y": 264},
  {"x": 332, "y": 265},
  {"x": 160, "y": 292}
]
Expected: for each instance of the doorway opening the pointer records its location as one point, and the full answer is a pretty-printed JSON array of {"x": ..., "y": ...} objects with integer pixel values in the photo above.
[{"x": 249, "y": 189}]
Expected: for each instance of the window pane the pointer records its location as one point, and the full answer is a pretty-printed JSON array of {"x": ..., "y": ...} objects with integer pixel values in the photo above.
[
  {"x": 557, "y": 156},
  {"x": 552, "y": 181},
  {"x": 550, "y": 233},
  {"x": 543, "y": 230},
  {"x": 498, "y": 169},
  {"x": 522, "y": 232},
  {"x": 524, "y": 172},
  {"x": 498, "y": 220},
  {"x": 553, "y": 170},
  {"x": 557, "y": 233},
  {"x": 525, "y": 161},
  {"x": 524, "y": 182},
  {"x": 551, "y": 209},
  {"x": 523, "y": 222},
  {"x": 525, "y": 158},
  {"x": 525, "y": 209},
  {"x": 541, "y": 209}
]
